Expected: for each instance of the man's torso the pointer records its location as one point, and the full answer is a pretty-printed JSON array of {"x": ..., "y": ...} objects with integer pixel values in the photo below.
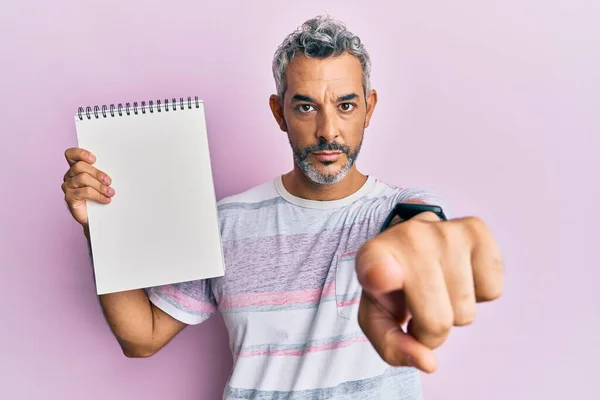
[{"x": 289, "y": 296}]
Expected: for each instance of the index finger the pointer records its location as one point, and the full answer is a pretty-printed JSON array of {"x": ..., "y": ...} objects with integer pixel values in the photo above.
[{"x": 75, "y": 154}]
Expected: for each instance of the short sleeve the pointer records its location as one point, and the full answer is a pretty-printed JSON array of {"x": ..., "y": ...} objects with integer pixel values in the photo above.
[
  {"x": 189, "y": 302},
  {"x": 426, "y": 196}
]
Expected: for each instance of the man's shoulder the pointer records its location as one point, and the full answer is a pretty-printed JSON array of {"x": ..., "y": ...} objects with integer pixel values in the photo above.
[
  {"x": 249, "y": 198},
  {"x": 396, "y": 193},
  {"x": 383, "y": 188}
]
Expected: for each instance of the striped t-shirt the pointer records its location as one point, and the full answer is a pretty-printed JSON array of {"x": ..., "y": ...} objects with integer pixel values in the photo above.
[{"x": 289, "y": 296}]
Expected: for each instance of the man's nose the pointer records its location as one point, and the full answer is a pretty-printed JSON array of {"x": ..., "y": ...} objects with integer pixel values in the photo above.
[{"x": 327, "y": 127}]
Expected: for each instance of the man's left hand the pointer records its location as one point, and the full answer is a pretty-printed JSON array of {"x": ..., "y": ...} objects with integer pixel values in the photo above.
[{"x": 431, "y": 274}]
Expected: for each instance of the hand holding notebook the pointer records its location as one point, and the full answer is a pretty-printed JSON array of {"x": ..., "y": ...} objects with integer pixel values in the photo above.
[
  {"x": 160, "y": 224},
  {"x": 84, "y": 182}
]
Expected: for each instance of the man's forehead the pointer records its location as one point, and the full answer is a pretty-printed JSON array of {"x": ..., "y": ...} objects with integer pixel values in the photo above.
[{"x": 341, "y": 71}]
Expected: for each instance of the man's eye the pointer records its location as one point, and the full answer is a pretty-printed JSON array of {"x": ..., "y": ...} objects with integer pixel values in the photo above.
[
  {"x": 304, "y": 108},
  {"x": 346, "y": 107}
]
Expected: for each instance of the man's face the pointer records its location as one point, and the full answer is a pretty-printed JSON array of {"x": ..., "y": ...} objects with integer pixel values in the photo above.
[{"x": 324, "y": 113}]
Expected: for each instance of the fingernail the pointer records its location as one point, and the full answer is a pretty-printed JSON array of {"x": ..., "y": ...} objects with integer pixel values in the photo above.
[
  {"x": 410, "y": 361},
  {"x": 106, "y": 179},
  {"x": 110, "y": 191}
]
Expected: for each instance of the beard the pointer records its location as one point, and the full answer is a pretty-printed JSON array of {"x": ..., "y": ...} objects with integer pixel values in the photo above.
[{"x": 310, "y": 170}]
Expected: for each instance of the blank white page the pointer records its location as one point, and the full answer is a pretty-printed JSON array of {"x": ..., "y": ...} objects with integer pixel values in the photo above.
[{"x": 162, "y": 225}]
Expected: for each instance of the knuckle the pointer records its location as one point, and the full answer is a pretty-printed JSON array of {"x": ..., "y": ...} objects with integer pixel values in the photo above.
[
  {"x": 490, "y": 293},
  {"x": 476, "y": 225},
  {"x": 439, "y": 324},
  {"x": 464, "y": 314},
  {"x": 491, "y": 288},
  {"x": 464, "y": 319},
  {"x": 405, "y": 231},
  {"x": 78, "y": 180},
  {"x": 450, "y": 234},
  {"x": 80, "y": 166},
  {"x": 479, "y": 223},
  {"x": 441, "y": 328},
  {"x": 88, "y": 192},
  {"x": 415, "y": 234},
  {"x": 496, "y": 292}
]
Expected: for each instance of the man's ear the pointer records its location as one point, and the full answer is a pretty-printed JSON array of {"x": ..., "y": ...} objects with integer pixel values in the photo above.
[
  {"x": 371, "y": 103},
  {"x": 277, "y": 110}
]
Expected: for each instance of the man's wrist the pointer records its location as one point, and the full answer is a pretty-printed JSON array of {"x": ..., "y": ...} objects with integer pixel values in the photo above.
[{"x": 405, "y": 211}]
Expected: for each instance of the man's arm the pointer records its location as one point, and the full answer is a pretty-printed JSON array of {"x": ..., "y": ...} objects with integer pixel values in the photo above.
[{"x": 140, "y": 328}]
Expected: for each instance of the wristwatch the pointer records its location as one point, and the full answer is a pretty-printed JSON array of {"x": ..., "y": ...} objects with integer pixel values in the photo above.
[{"x": 406, "y": 211}]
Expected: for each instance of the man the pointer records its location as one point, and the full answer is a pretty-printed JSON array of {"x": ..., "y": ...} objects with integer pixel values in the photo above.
[{"x": 314, "y": 297}]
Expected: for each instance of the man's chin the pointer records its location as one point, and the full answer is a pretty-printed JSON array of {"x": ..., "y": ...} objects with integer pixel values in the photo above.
[{"x": 325, "y": 176}]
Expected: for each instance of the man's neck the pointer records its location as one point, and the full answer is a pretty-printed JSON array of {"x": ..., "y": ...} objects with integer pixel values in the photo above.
[{"x": 297, "y": 184}]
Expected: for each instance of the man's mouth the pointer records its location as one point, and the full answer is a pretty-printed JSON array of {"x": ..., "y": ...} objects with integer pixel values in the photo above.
[{"x": 327, "y": 155}]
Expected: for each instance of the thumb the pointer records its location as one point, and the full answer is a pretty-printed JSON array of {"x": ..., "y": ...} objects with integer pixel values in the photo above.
[
  {"x": 395, "y": 347},
  {"x": 377, "y": 268}
]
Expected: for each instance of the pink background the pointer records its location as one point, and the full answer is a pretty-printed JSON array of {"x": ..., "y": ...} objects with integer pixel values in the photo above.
[{"x": 495, "y": 105}]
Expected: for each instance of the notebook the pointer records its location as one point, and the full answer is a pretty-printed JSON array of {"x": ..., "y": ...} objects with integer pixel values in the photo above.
[{"x": 162, "y": 225}]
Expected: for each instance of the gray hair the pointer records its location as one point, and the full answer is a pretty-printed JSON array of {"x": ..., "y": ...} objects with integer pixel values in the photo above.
[{"x": 319, "y": 37}]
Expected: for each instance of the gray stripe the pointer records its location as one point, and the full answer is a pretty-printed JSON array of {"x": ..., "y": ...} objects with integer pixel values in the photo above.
[
  {"x": 252, "y": 206},
  {"x": 395, "y": 384},
  {"x": 348, "y": 296},
  {"x": 293, "y": 261}
]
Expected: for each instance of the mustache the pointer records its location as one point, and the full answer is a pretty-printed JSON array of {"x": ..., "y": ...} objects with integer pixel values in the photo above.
[{"x": 323, "y": 146}]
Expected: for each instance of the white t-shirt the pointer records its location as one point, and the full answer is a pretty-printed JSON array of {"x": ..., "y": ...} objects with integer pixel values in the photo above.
[{"x": 289, "y": 296}]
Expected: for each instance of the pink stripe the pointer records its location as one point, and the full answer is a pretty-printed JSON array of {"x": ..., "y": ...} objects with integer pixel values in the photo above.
[
  {"x": 277, "y": 298},
  {"x": 301, "y": 352},
  {"x": 348, "y": 254},
  {"x": 347, "y": 303},
  {"x": 185, "y": 300}
]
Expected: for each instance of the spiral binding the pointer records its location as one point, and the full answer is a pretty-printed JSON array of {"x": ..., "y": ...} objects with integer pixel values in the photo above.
[{"x": 109, "y": 112}]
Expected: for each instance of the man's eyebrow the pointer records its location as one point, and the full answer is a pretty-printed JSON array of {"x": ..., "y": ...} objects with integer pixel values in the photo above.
[
  {"x": 308, "y": 99},
  {"x": 302, "y": 97},
  {"x": 347, "y": 97}
]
